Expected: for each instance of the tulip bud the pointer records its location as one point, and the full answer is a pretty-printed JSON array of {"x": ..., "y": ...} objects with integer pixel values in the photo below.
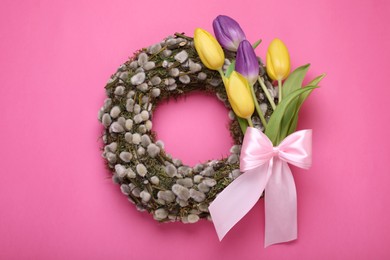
[
  {"x": 228, "y": 32},
  {"x": 239, "y": 95},
  {"x": 278, "y": 60},
  {"x": 246, "y": 62},
  {"x": 209, "y": 50}
]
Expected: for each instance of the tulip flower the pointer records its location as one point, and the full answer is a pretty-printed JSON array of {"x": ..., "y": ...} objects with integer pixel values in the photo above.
[
  {"x": 209, "y": 50},
  {"x": 278, "y": 63},
  {"x": 239, "y": 96},
  {"x": 278, "y": 60},
  {"x": 246, "y": 62},
  {"x": 248, "y": 66},
  {"x": 228, "y": 32}
]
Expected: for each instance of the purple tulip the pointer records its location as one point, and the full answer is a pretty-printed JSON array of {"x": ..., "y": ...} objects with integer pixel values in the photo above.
[
  {"x": 228, "y": 32},
  {"x": 247, "y": 63}
]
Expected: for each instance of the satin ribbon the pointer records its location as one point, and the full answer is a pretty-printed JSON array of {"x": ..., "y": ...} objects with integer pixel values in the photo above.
[{"x": 265, "y": 169}]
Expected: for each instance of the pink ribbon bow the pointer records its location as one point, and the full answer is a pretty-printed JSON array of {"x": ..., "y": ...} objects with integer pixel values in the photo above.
[{"x": 265, "y": 169}]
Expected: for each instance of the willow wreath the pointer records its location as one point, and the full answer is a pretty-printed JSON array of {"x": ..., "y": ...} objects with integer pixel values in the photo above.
[{"x": 146, "y": 173}]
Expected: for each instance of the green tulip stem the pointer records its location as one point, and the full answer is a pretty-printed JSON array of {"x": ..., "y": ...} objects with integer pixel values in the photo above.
[
  {"x": 221, "y": 73},
  {"x": 250, "y": 121},
  {"x": 266, "y": 92},
  {"x": 280, "y": 90},
  {"x": 258, "y": 107},
  {"x": 222, "y": 76}
]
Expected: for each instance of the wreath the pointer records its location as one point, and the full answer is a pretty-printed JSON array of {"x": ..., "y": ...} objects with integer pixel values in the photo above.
[{"x": 149, "y": 176}]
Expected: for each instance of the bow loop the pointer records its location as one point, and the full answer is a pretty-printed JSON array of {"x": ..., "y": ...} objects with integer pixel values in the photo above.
[
  {"x": 296, "y": 149},
  {"x": 256, "y": 150},
  {"x": 265, "y": 169}
]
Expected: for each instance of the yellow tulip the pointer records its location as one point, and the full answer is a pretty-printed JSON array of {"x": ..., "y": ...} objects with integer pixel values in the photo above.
[
  {"x": 278, "y": 60},
  {"x": 209, "y": 50},
  {"x": 239, "y": 95}
]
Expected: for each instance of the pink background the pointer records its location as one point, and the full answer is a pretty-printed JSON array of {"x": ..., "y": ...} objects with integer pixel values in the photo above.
[{"x": 56, "y": 200}]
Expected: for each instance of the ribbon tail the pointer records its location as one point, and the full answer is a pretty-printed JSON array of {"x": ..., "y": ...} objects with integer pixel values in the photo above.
[
  {"x": 280, "y": 205},
  {"x": 235, "y": 201}
]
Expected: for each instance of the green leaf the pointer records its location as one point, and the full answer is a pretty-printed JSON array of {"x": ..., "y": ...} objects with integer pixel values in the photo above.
[
  {"x": 257, "y": 43},
  {"x": 274, "y": 127},
  {"x": 316, "y": 80},
  {"x": 230, "y": 69},
  {"x": 243, "y": 124},
  {"x": 294, "y": 121},
  {"x": 294, "y": 80},
  {"x": 302, "y": 98}
]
